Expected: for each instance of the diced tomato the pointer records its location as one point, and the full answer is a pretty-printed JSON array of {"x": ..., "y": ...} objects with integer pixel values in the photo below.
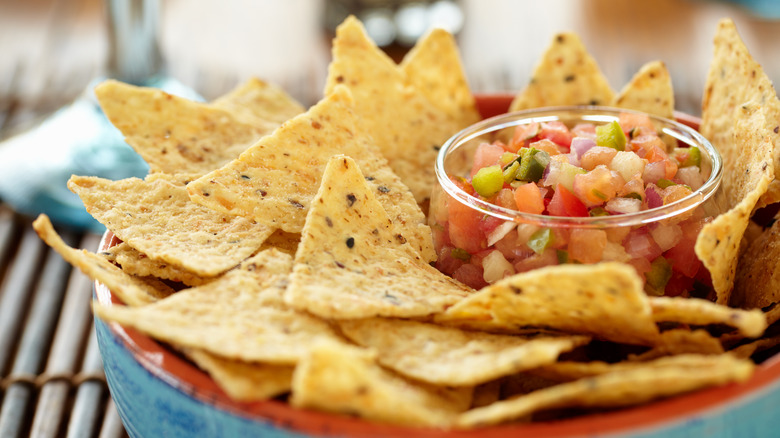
[
  {"x": 529, "y": 199},
  {"x": 546, "y": 145},
  {"x": 641, "y": 265},
  {"x": 587, "y": 246},
  {"x": 683, "y": 257},
  {"x": 650, "y": 147},
  {"x": 489, "y": 223},
  {"x": 547, "y": 258},
  {"x": 678, "y": 284},
  {"x": 447, "y": 262},
  {"x": 558, "y": 133},
  {"x": 587, "y": 130},
  {"x": 564, "y": 203},
  {"x": 597, "y": 186},
  {"x": 597, "y": 155},
  {"x": 523, "y": 136},
  {"x": 487, "y": 154},
  {"x": 470, "y": 275},
  {"x": 465, "y": 228},
  {"x": 504, "y": 198},
  {"x": 639, "y": 123}
]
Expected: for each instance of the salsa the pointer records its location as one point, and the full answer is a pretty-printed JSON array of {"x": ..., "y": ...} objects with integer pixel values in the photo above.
[{"x": 621, "y": 167}]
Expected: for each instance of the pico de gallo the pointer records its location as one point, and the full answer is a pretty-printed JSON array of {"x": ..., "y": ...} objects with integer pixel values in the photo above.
[{"x": 585, "y": 170}]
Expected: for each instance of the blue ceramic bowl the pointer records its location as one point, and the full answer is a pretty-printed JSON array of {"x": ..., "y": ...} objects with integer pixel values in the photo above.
[{"x": 157, "y": 393}]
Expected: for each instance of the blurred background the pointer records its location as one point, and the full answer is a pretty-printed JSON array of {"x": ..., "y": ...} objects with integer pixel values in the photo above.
[{"x": 51, "y": 49}]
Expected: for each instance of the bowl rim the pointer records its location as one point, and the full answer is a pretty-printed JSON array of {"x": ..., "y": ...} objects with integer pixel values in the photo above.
[
  {"x": 173, "y": 370},
  {"x": 681, "y": 131}
]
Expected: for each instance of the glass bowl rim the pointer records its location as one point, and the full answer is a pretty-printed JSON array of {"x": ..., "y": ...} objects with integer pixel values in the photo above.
[{"x": 512, "y": 119}]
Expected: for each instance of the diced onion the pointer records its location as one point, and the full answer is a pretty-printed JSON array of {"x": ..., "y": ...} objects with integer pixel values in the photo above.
[
  {"x": 499, "y": 232},
  {"x": 623, "y": 205},
  {"x": 495, "y": 267}
]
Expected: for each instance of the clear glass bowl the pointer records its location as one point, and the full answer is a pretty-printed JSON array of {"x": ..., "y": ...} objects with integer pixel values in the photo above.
[{"x": 479, "y": 242}]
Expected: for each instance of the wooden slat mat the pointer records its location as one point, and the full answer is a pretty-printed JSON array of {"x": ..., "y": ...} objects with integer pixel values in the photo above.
[{"x": 51, "y": 377}]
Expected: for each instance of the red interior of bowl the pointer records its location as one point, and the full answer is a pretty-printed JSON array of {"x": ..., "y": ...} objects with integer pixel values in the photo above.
[{"x": 163, "y": 362}]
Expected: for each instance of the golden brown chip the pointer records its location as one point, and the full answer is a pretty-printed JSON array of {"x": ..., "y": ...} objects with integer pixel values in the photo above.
[
  {"x": 244, "y": 381},
  {"x": 605, "y": 300},
  {"x": 353, "y": 263},
  {"x": 695, "y": 311},
  {"x": 621, "y": 387},
  {"x": 757, "y": 283},
  {"x": 757, "y": 346},
  {"x": 735, "y": 78},
  {"x": 681, "y": 341},
  {"x": 566, "y": 75},
  {"x": 408, "y": 127},
  {"x": 450, "y": 356},
  {"x": 133, "y": 291},
  {"x": 257, "y": 102},
  {"x": 433, "y": 67},
  {"x": 283, "y": 241},
  {"x": 238, "y": 316},
  {"x": 274, "y": 181},
  {"x": 346, "y": 380},
  {"x": 174, "y": 134},
  {"x": 749, "y": 174},
  {"x": 139, "y": 264},
  {"x": 159, "y": 220},
  {"x": 650, "y": 91}
]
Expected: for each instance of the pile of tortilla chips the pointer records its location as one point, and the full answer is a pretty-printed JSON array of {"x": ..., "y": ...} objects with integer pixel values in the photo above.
[{"x": 285, "y": 251}]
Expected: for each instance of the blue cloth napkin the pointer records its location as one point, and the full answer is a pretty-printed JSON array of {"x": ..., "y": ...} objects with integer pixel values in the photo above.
[{"x": 76, "y": 140}]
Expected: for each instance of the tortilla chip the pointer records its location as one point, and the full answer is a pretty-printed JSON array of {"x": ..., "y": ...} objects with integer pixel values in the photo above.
[
  {"x": 346, "y": 380},
  {"x": 139, "y": 264},
  {"x": 433, "y": 67},
  {"x": 735, "y": 78},
  {"x": 649, "y": 91},
  {"x": 408, "y": 128},
  {"x": 657, "y": 379},
  {"x": 748, "y": 175},
  {"x": 681, "y": 341},
  {"x": 159, "y": 220},
  {"x": 238, "y": 316},
  {"x": 450, "y": 356},
  {"x": 757, "y": 283},
  {"x": 283, "y": 241},
  {"x": 696, "y": 311},
  {"x": 133, "y": 291},
  {"x": 244, "y": 381},
  {"x": 173, "y": 134},
  {"x": 605, "y": 300},
  {"x": 353, "y": 263},
  {"x": 747, "y": 350},
  {"x": 256, "y": 102},
  {"x": 566, "y": 75},
  {"x": 274, "y": 181}
]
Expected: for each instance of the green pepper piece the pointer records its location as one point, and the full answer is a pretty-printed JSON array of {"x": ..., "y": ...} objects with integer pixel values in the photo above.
[
  {"x": 598, "y": 211},
  {"x": 633, "y": 195},
  {"x": 611, "y": 135},
  {"x": 460, "y": 254},
  {"x": 532, "y": 165},
  {"x": 659, "y": 275},
  {"x": 664, "y": 183},
  {"x": 488, "y": 181},
  {"x": 686, "y": 157},
  {"x": 540, "y": 240},
  {"x": 563, "y": 256},
  {"x": 510, "y": 171}
]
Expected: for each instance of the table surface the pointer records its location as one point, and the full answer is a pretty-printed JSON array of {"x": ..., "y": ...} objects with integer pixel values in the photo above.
[{"x": 51, "y": 381}]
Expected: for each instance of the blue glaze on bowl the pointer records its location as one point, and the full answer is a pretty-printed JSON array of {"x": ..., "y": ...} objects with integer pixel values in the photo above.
[{"x": 152, "y": 407}]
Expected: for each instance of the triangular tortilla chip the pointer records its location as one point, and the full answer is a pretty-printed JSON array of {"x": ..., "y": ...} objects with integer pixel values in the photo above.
[
  {"x": 133, "y": 291},
  {"x": 346, "y": 380},
  {"x": 237, "y": 316},
  {"x": 409, "y": 129},
  {"x": 757, "y": 283},
  {"x": 433, "y": 66},
  {"x": 696, "y": 311},
  {"x": 657, "y": 379},
  {"x": 173, "y": 134},
  {"x": 450, "y": 356},
  {"x": 681, "y": 341},
  {"x": 353, "y": 263},
  {"x": 749, "y": 174},
  {"x": 605, "y": 300},
  {"x": 258, "y": 102},
  {"x": 244, "y": 381},
  {"x": 139, "y": 264},
  {"x": 650, "y": 91},
  {"x": 566, "y": 75},
  {"x": 159, "y": 220},
  {"x": 735, "y": 78},
  {"x": 274, "y": 181}
]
